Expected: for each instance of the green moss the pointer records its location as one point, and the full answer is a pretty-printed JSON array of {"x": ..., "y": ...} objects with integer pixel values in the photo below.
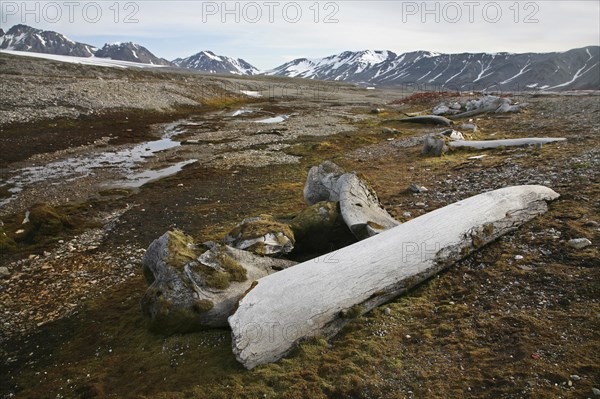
[
  {"x": 488, "y": 229},
  {"x": 203, "y": 305},
  {"x": 232, "y": 267},
  {"x": 353, "y": 312},
  {"x": 260, "y": 227},
  {"x": 306, "y": 149},
  {"x": 7, "y": 243},
  {"x": 121, "y": 192},
  {"x": 376, "y": 226},
  {"x": 319, "y": 216},
  {"x": 216, "y": 279},
  {"x": 181, "y": 249}
]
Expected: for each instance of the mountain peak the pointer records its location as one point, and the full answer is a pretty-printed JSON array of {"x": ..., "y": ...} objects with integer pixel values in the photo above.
[
  {"x": 25, "y": 38},
  {"x": 132, "y": 52},
  {"x": 210, "y": 62}
]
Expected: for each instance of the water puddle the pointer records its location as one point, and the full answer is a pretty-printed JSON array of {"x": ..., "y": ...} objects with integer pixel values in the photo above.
[
  {"x": 242, "y": 112},
  {"x": 251, "y": 93},
  {"x": 70, "y": 169},
  {"x": 147, "y": 176},
  {"x": 275, "y": 119}
]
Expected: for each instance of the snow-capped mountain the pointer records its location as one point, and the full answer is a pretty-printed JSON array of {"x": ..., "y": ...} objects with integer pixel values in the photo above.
[
  {"x": 130, "y": 52},
  {"x": 570, "y": 70},
  {"x": 208, "y": 61},
  {"x": 26, "y": 38}
]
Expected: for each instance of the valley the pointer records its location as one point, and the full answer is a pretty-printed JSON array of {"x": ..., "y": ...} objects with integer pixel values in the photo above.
[{"x": 109, "y": 159}]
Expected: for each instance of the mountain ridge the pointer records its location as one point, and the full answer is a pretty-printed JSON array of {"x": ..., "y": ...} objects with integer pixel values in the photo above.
[{"x": 573, "y": 69}]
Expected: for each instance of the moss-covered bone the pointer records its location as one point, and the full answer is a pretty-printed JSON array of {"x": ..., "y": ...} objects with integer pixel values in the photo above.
[
  {"x": 190, "y": 290},
  {"x": 262, "y": 235}
]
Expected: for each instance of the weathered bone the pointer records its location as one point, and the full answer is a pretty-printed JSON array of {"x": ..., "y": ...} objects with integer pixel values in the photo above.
[
  {"x": 312, "y": 298},
  {"x": 505, "y": 143}
]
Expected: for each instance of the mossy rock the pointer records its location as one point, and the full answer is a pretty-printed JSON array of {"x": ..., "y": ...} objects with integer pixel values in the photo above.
[
  {"x": 7, "y": 243},
  {"x": 45, "y": 221}
]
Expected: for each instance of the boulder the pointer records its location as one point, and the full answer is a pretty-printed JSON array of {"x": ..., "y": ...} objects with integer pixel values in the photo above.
[
  {"x": 441, "y": 109},
  {"x": 579, "y": 243}
]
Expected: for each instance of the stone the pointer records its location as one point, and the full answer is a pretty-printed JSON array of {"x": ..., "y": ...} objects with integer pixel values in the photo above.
[
  {"x": 468, "y": 126},
  {"x": 441, "y": 109},
  {"x": 4, "y": 272},
  {"x": 596, "y": 391},
  {"x": 433, "y": 146},
  {"x": 262, "y": 235},
  {"x": 579, "y": 243},
  {"x": 575, "y": 377},
  {"x": 415, "y": 188}
]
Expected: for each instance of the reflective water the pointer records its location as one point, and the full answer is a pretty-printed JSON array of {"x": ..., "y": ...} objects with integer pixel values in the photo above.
[
  {"x": 275, "y": 119},
  {"x": 126, "y": 160}
]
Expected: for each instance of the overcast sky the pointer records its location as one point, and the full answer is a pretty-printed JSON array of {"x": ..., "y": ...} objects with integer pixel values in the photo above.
[{"x": 269, "y": 33}]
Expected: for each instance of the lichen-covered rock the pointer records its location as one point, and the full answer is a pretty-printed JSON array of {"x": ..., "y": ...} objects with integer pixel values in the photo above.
[
  {"x": 321, "y": 183},
  {"x": 191, "y": 289},
  {"x": 262, "y": 235}
]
